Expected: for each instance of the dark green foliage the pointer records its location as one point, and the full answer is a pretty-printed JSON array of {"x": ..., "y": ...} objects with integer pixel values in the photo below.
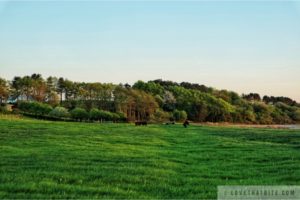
[
  {"x": 165, "y": 84},
  {"x": 198, "y": 111},
  {"x": 70, "y": 104},
  {"x": 79, "y": 114},
  {"x": 252, "y": 97},
  {"x": 115, "y": 117},
  {"x": 122, "y": 117},
  {"x": 101, "y": 115},
  {"x": 105, "y": 115},
  {"x": 35, "y": 108},
  {"x": 95, "y": 114},
  {"x": 150, "y": 87},
  {"x": 285, "y": 100},
  {"x": 195, "y": 86}
]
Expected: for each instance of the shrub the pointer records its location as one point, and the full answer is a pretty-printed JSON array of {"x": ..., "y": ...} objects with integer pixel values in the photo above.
[
  {"x": 79, "y": 114},
  {"x": 122, "y": 117},
  {"x": 244, "y": 114},
  {"x": 35, "y": 108},
  {"x": 160, "y": 116},
  {"x": 59, "y": 112},
  {"x": 105, "y": 115},
  {"x": 263, "y": 113},
  {"x": 115, "y": 117},
  {"x": 249, "y": 115},
  {"x": 237, "y": 116},
  {"x": 280, "y": 117},
  {"x": 179, "y": 115},
  {"x": 95, "y": 114}
]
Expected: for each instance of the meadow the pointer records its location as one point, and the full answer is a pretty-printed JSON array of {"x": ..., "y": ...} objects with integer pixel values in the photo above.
[{"x": 43, "y": 159}]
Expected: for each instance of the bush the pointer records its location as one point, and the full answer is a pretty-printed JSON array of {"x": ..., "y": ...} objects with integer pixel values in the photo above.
[
  {"x": 122, "y": 117},
  {"x": 115, "y": 117},
  {"x": 244, "y": 114},
  {"x": 161, "y": 116},
  {"x": 59, "y": 112},
  {"x": 237, "y": 116},
  {"x": 249, "y": 115},
  {"x": 263, "y": 113},
  {"x": 79, "y": 114},
  {"x": 95, "y": 114},
  {"x": 179, "y": 115},
  {"x": 105, "y": 115},
  {"x": 280, "y": 117},
  {"x": 35, "y": 108}
]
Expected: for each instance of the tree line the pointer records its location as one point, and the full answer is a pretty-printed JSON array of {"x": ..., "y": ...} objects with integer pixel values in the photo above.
[{"x": 156, "y": 100}]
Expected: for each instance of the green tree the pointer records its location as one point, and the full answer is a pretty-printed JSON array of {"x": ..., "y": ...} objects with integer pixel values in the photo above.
[
  {"x": 149, "y": 87},
  {"x": 263, "y": 113}
]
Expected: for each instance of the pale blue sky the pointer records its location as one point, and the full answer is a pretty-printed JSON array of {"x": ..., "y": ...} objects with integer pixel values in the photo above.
[{"x": 240, "y": 46}]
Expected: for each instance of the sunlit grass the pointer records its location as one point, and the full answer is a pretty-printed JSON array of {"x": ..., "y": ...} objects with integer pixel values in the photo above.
[{"x": 41, "y": 159}]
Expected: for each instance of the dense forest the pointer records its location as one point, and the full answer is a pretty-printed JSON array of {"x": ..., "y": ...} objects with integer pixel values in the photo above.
[{"x": 156, "y": 101}]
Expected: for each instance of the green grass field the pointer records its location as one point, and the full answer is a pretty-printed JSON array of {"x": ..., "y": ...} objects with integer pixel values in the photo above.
[{"x": 41, "y": 159}]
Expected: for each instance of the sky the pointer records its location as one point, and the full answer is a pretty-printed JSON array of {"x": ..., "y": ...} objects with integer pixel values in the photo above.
[{"x": 251, "y": 46}]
